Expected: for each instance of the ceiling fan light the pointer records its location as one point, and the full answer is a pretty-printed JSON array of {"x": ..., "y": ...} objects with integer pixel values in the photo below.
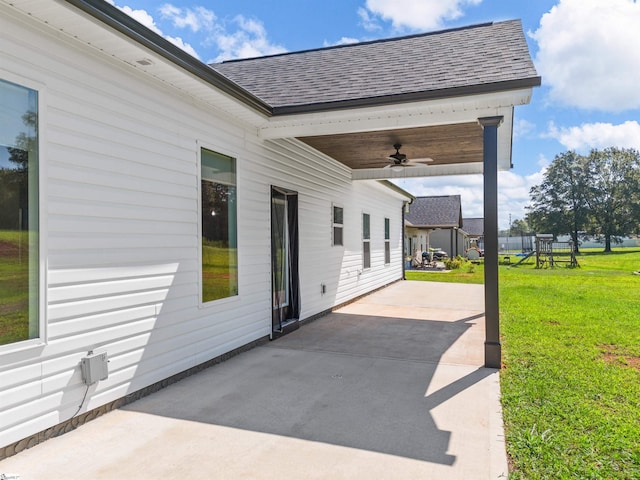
[{"x": 397, "y": 168}]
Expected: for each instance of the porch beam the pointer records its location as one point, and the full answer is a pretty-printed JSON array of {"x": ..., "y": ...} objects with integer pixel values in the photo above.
[
  {"x": 418, "y": 171},
  {"x": 390, "y": 117},
  {"x": 492, "y": 347}
]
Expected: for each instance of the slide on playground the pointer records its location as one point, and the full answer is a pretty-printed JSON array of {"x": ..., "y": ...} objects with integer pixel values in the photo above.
[{"x": 531, "y": 253}]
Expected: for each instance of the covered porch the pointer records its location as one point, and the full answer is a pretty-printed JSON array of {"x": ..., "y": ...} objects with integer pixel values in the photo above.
[{"x": 444, "y": 101}]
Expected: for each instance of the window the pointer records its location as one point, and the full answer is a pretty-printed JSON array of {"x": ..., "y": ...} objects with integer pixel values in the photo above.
[
  {"x": 337, "y": 221},
  {"x": 366, "y": 241},
  {"x": 18, "y": 214},
  {"x": 387, "y": 242},
  {"x": 219, "y": 226}
]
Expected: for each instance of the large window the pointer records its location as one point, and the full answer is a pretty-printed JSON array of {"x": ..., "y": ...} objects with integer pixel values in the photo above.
[
  {"x": 219, "y": 226},
  {"x": 366, "y": 240},
  {"x": 18, "y": 213}
]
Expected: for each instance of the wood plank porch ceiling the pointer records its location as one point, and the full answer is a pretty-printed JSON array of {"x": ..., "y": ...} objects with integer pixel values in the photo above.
[{"x": 445, "y": 144}]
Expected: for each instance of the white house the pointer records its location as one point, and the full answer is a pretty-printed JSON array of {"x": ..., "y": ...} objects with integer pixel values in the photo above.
[{"x": 158, "y": 214}]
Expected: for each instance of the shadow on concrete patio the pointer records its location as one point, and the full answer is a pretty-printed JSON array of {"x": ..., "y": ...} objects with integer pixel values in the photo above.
[
  {"x": 390, "y": 386},
  {"x": 350, "y": 380}
]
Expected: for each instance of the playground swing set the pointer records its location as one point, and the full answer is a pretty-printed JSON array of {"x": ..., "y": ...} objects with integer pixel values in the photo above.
[{"x": 550, "y": 254}]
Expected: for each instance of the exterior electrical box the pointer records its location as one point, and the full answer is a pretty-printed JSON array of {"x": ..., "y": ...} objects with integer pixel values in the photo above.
[{"x": 94, "y": 368}]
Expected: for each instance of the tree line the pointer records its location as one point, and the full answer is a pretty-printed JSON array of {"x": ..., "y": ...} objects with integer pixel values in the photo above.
[{"x": 595, "y": 196}]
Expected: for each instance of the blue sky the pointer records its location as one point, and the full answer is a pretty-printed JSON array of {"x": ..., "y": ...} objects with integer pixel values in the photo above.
[{"x": 587, "y": 52}]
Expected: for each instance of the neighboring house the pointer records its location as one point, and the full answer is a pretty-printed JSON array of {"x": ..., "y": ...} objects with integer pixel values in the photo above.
[
  {"x": 474, "y": 228},
  {"x": 159, "y": 214},
  {"x": 435, "y": 222}
]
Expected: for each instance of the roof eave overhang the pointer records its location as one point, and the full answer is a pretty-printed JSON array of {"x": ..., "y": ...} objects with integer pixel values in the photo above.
[
  {"x": 126, "y": 25},
  {"x": 459, "y": 109},
  {"x": 409, "y": 97},
  {"x": 410, "y": 198}
]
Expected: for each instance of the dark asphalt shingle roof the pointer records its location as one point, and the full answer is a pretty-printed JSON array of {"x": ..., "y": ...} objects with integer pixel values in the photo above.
[
  {"x": 473, "y": 226},
  {"x": 436, "y": 64},
  {"x": 436, "y": 211}
]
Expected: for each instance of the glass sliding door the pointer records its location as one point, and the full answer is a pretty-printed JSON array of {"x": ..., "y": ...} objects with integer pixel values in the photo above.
[{"x": 285, "y": 285}]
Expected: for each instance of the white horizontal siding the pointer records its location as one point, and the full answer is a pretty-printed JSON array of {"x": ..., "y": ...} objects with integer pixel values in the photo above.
[{"x": 120, "y": 216}]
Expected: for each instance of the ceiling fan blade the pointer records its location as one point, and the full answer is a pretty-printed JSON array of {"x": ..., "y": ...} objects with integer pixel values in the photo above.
[{"x": 419, "y": 161}]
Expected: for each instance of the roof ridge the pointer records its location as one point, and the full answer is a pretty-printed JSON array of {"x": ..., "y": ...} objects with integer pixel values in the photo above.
[
  {"x": 439, "y": 196},
  {"x": 369, "y": 42}
]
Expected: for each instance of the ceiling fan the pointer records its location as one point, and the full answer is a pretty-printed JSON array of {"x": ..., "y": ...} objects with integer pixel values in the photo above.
[{"x": 398, "y": 160}]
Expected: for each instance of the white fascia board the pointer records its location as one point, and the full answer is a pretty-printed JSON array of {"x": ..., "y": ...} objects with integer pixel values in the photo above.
[{"x": 389, "y": 117}]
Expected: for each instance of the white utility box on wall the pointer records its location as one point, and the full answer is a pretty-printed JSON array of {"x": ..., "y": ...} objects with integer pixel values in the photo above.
[{"x": 94, "y": 368}]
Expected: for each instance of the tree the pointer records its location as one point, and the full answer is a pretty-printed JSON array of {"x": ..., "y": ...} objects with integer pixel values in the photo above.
[
  {"x": 519, "y": 226},
  {"x": 613, "y": 192},
  {"x": 598, "y": 194},
  {"x": 558, "y": 205},
  {"x": 14, "y": 176}
]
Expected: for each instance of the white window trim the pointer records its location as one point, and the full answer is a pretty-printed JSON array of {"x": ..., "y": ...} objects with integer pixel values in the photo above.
[
  {"x": 230, "y": 152},
  {"x": 26, "y": 348}
]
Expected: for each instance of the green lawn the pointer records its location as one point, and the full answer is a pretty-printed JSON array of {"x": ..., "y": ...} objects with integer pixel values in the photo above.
[
  {"x": 219, "y": 273},
  {"x": 571, "y": 375},
  {"x": 14, "y": 287}
]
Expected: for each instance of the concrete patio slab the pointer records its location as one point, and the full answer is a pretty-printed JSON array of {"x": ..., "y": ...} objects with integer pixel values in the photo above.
[{"x": 391, "y": 386}]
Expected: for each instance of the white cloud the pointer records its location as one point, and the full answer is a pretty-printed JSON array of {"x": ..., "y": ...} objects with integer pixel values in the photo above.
[
  {"x": 415, "y": 15},
  {"x": 522, "y": 128},
  {"x": 588, "y": 53},
  {"x": 368, "y": 22},
  {"x": 513, "y": 191},
  {"x": 178, "y": 42},
  {"x": 513, "y": 194},
  {"x": 238, "y": 38},
  {"x": 249, "y": 40},
  {"x": 342, "y": 41},
  {"x": 198, "y": 18},
  {"x": 143, "y": 17},
  {"x": 597, "y": 135}
]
